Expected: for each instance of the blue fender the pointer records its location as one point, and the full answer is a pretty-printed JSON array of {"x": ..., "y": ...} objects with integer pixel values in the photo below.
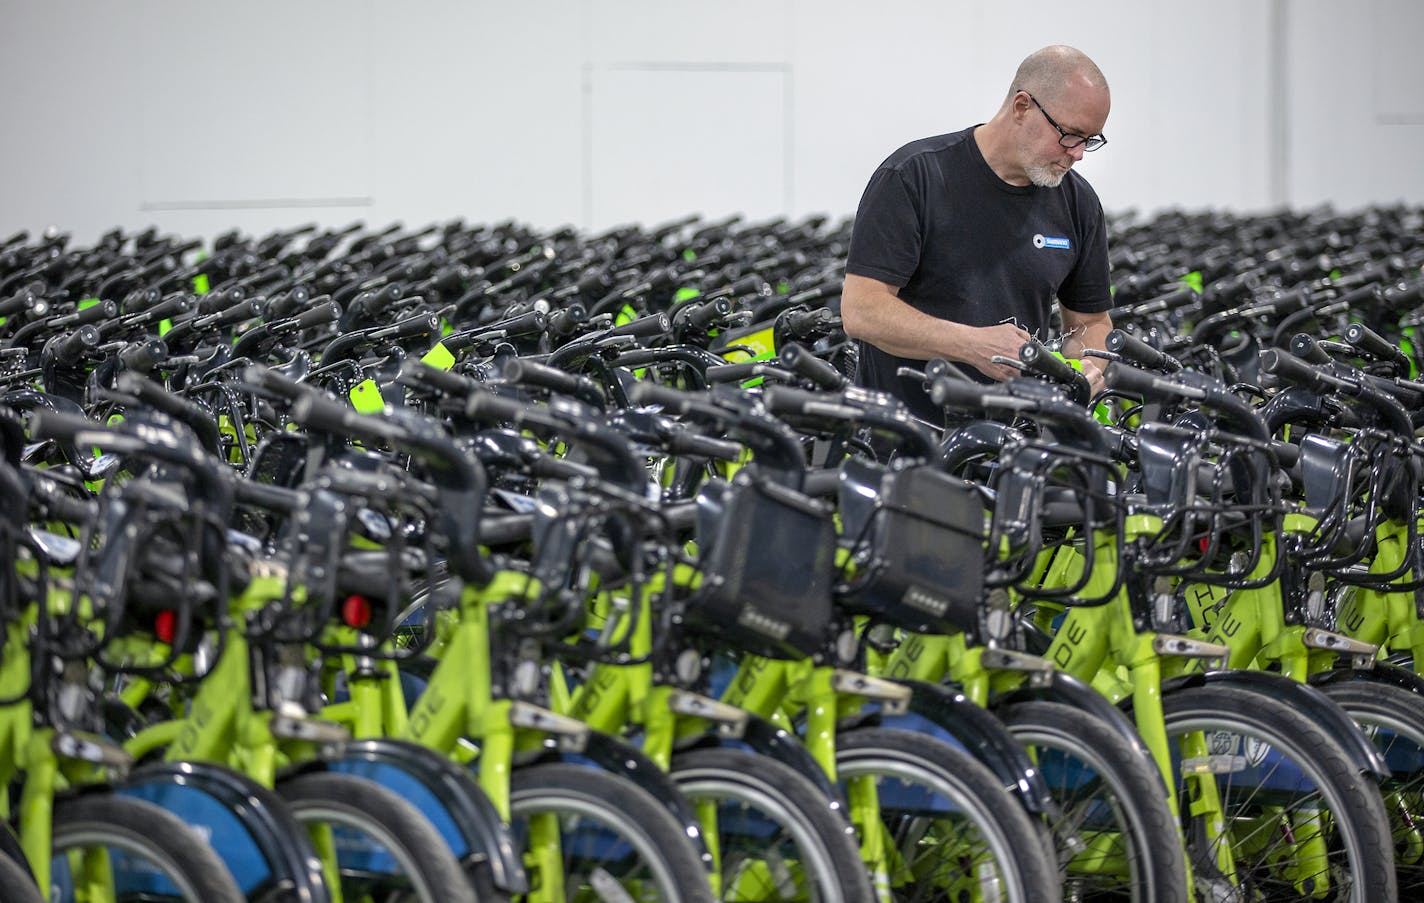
[
  {"x": 448, "y": 795},
  {"x": 251, "y": 829}
]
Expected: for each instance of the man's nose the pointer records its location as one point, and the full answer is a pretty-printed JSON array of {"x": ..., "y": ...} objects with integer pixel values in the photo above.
[{"x": 1077, "y": 152}]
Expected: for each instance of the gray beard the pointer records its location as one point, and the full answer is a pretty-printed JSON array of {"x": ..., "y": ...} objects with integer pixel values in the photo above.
[{"x": 1044, "y": 176}]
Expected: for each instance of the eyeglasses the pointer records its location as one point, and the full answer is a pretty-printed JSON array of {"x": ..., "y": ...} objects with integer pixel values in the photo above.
[{"x": 1067, "y": 138}]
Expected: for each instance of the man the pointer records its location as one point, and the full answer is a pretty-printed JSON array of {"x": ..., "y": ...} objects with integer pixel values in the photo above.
[{"x": 963, "y": 241}]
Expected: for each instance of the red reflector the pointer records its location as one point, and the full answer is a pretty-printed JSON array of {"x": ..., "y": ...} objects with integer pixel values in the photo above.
[
  {"x": 165, "y": 626},
  {"x": 1204, "y": 543},
  {"x": 356, "y": 611}
]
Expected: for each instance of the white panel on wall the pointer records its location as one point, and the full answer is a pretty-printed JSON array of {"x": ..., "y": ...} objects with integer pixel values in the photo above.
[
  {"x": 1342, "y": 150},
  {"x": 1398, "y": 64},
  {"x": 666, "y": 141},
  {"x": 69, "y": 156},
  {"x": 688, "y": 31},
  {"x": 260, "y": 104},
  {"x": 477, "y": 111}
]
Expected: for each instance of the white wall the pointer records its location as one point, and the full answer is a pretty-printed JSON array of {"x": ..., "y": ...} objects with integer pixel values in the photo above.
[{"x": 199, "y": 116}]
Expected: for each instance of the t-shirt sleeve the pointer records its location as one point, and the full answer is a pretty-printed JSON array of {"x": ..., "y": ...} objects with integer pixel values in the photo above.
[
  {"x": 1088, "y": 288},
  {"x": 886, "y": 238}
]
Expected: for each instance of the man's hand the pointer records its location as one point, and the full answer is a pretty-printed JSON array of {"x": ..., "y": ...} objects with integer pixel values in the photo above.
[
  {"x": 986, "y": 342},
  {"x": 1093, "y": 370}
]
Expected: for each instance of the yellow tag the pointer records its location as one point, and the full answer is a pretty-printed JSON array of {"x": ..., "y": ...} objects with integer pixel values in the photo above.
[
  {"x": 762, "y": 342},
  {"x": 366, "y": 397},
  {"x": 439, "y": 357}
]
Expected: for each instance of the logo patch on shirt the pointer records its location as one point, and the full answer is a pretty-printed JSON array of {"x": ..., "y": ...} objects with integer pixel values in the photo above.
[{"x": 1052, "y": 241}]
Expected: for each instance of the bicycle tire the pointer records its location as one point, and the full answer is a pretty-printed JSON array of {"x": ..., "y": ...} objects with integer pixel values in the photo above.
[
  {"x": 1393, "y": 717},
  {"x": 17, "y": 882},
  {"x": 607, "y": 824},
  {"x": 1094, "y": 772},
  {"x": 155, "y": 836},
  {"x": 818, "y": 841},
  {"x": 1247, "y": 729},
  {"x": 928, "y": 793},
  {"x": 428, "y": 869}
]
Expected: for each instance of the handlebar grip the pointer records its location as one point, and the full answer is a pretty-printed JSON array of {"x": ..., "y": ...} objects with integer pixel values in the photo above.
[
  {"x": 1371, "y": 342},
  {"x": 415, "y": 372},
  {"x": 1288, "y": 368},
  {"x": 963, "y": 395},
  {"x": 144, "y": 355},
  {"x": 491, "y": 408},
  {"x": 643, "y": 327},
  {"x": 803, "y": 363},
  {"x": 274, "y": 382},
  {"x": 168, "y": 307},
  {"x": 68, "y": 509},
  {"x": 316, "y": 316},
  {"x": 1040, "y": 360},
  {"x": 702, "y": 314},
  {"x": 1140, "y": 382},
  {"x": 1139, "y": 352},
  {"x": 263, "y": 495},
  {"x": 788, "y": 401},
  {"x": 320, "y": 412},
  {"x": 525, "y": 323},
  {"x": 250, "y": 309},
  {"x": 71, "y": 348},
  {"x": 651, "y": 393},
  {"x": 561, "y": 381},
  {"x": 1308, "y": 350},
  {"x": 690, "y": 443},
  {"x": 563, "y": 322},
  {"x": 417, "y": 325},
  {"x": 104, "y": 310},
  {"x": 23, "y": 301},
  {"x": 60, "y": 425}
]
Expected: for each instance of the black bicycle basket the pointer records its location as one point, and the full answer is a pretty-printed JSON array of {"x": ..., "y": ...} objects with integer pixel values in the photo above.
[
  {"x": 918, "y": 545},
  {"x": 767, "y": 566}
]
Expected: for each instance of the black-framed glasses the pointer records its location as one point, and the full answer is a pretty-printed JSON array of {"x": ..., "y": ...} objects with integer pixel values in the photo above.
[{"x": 1068, "y": 139}]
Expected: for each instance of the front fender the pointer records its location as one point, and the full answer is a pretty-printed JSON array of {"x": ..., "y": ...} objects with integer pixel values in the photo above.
[
  {"x": 984, "y": 736},
  {"x": 273, "y": 856},
  {"x": 449, "y": 797},
  {"x": 615, "y": 756}
]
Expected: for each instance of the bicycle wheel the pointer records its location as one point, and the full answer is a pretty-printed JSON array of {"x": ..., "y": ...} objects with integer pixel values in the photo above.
[
  {"x": 1115, "y": 836},
  {"x": 18, "y": 884},
  {"x": 384, "y": 849},
  {"x": 1301, "y": 821},
  {"x": 951, "y": 830},
  {"x": 147, "y": 852},
  {"x": 612, "y": 840},
  {"x": 1393, "y": 717},
  {"x": 775, "y": 834}
]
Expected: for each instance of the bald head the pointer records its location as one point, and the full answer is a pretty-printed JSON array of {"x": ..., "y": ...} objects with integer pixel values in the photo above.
[{"x": 1048, "y": 72}]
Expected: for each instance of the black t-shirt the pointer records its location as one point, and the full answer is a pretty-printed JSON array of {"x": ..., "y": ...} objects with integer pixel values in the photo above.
[{"x": 964, "y": 245}]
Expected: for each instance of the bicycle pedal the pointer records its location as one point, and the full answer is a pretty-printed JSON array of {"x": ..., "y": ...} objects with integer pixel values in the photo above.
[
  {"x": 896, "y": 697},
  {"x": 1187, "y": 647},
  {"x": 1214, "y": 765},
  {"x": 571, "y": 733},
  {"x": 1363, "y": 653},
  {"x": 1039, "y": 669},
  {"x": 97, "y": 750},
  {"x": 731, "y": 721}
]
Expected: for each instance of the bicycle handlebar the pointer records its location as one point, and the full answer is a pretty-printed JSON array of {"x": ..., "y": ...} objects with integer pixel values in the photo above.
[
  {"x": 1140, "y": 353},
  {"x": 802, "y": 362}
]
